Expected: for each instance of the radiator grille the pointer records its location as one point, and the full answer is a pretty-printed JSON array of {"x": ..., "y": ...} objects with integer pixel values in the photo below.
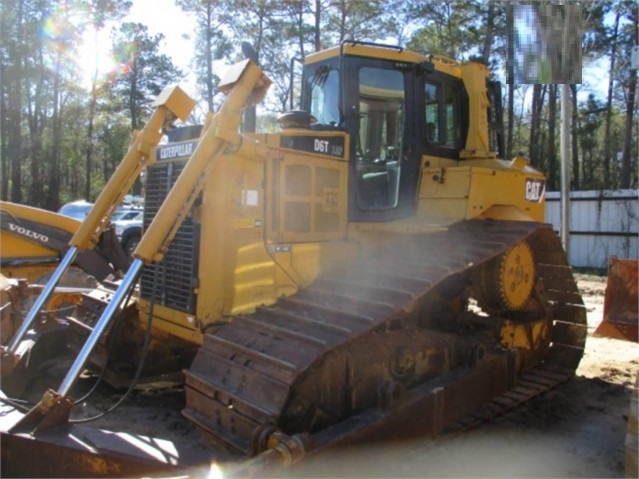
[{"x": 177, "y": 272}]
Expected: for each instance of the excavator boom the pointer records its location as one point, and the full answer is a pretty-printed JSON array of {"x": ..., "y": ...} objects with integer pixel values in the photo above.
[{"x": 33, "y": 240}]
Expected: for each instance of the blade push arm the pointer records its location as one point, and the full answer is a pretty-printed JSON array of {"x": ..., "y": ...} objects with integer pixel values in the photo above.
[
  {"x": 171, "y": 103},
  {"x": 245, "y": 85}
]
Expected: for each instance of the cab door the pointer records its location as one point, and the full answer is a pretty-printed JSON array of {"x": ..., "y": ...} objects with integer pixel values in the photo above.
[{"x": 379, "y": 112}]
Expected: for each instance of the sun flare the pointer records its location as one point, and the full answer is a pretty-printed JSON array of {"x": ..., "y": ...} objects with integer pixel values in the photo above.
[
  {"x": 84, "y": 57},
  {"x": 95, "y": 59}
]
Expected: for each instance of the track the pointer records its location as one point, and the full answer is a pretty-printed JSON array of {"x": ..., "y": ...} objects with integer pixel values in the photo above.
[
  {"x": 568, "y": 334},
  {"x": 303, "y": 363}
]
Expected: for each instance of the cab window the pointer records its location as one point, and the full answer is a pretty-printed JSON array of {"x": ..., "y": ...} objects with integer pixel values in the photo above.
[
  {"x": 451, "y": 117},
  {"x": 380, "y": 137},
  {"x": 441, "y": 122},
  {"x": 324, "y": 92},
  {"x": 431, "y": 94}
]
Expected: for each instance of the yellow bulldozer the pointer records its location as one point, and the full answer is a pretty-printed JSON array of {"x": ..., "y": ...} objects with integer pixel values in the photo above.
[{"x": 375, "y": 268}]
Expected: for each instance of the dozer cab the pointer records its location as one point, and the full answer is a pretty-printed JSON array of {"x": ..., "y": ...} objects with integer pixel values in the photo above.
[{"x": 373, "y": 269}]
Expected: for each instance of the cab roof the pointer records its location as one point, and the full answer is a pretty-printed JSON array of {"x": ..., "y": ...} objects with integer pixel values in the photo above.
[{"x": 386, "y": 52}]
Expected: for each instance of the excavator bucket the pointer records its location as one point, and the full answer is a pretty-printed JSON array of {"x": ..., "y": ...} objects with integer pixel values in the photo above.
[{"x": 620, "y": 317}]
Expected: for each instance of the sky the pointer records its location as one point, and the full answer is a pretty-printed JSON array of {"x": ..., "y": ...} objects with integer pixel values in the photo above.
[
  {"x": 160, "y": 16},
  {"x": 163, "y": 16}
]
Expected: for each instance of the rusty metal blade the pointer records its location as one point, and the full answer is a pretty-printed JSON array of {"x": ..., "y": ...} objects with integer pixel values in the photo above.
[{"x": 621, "y": 318}]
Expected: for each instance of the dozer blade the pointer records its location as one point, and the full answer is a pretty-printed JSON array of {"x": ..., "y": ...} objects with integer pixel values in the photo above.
[
  {"x": 55, "y": 406},
  {"x": 620, "y": 316},
  {"x": 84, "y": 453}
]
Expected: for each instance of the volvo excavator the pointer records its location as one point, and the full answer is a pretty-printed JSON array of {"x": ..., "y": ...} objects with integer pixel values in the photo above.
[
  {"x": 375, "y": 268},
  {"x": 32, "y": 241}
]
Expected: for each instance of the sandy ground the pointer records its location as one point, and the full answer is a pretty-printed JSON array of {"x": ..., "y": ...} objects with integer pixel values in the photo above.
[{"x": 575, "y": 430}]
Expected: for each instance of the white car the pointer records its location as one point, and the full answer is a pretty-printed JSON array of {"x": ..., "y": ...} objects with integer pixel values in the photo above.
[
  {"x": 127, "y": 221},
  {"x": 129, "y": 231},
  {"x": 126, "y": 214},
  {"x": 76, "y": 209},
  {"x": 80, "y": 209}
]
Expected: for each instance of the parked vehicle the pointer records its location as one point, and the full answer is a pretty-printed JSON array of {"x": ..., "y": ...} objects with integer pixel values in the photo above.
[
  {"x": 126, "y": 214},
  {"x": 33, "y": 240},
  {"x": 128, "y": 229},
  {"x": 76, "y": 209},
  {"x": 80, "y": 208}
]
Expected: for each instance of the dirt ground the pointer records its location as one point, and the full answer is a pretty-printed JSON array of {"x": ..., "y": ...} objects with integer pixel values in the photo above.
[{"x": 575, "y": 430}]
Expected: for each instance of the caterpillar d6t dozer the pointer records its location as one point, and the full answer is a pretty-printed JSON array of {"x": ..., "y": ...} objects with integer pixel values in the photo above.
[{"x": 373, "y": 269}]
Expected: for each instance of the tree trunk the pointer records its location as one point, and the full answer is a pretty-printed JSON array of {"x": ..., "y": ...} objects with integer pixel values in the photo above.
[
  {"x": 36, "y": 120},
  {"x": 607, "y": 143},
  {"x": 52, "y": 153},
  {"x": 534, "y": 148},
  {"x": 13, "y": 88},
  {"x": 534, "y": 121},
  {"x": 89, "y": 151},
  {"x": 209, "y": 56},
  {"x": 132, "y": 95},
  {"x": 4, "y": 164},
  {"x": 300, "y": 29},
  {"x": 517, "y": 134},
  {"x": 488, "y": 39},
  {"x": 552, "y": 123},
  {"x": 630, "y": 108},
  {"x": 575, "y": 141},
  {"x": 318, "y": 15},
  {"x": 626, "y": 159},
  {"x": 511, "y": 120},
  {"x": 342, "y": 23}
]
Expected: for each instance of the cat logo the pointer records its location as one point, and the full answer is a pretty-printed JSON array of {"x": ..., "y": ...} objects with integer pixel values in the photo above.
[{"x": 535, "y": 190}]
